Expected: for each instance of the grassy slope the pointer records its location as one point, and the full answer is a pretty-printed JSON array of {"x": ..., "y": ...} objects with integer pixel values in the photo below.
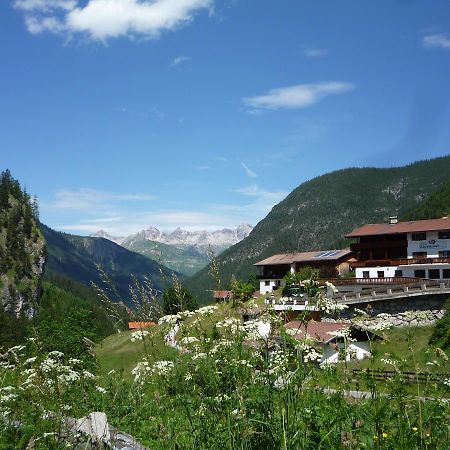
[{"x": 318, "y": 214}]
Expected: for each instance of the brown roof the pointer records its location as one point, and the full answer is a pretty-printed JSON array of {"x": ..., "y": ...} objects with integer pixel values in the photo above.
[
  {"x": 413, "y": 226},
  {"x": 221, "y": 294},
  {"x": 138, "y": 325},
  {"x": 315, "y": 256},
  {"x": 317, "y": 330}
]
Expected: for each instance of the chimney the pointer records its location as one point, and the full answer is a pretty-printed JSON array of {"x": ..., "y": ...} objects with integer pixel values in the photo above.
[
  {"x": 445, "y": 216},
  {"x": 393, "y": 219}
]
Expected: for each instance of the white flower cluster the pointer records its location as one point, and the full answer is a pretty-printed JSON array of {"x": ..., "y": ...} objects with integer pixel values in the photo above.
[
  {"x": 342, "y": 333},
  {"x": 232, "y": 324},
  {"x": 189, "y": 340},
  {"x": 143, "y": 369},
  {"x": 205, "y": 310},
  {"x": 377, "y": 326},
  {"x": 170, "y": 319},
  {"x": 389, "y": 362},
  {"x": 7, "y": 394},
  {"x": 331, "y": 287},
  {"x": 292, "y": 331},
  {"x": 361, "y": 312},
  {"x": 447, "y": 382},
  {"x": 186, "y": 314},
  {"x": 139, "y": 335},
  {"x": 257, "y": 329},
  {"x": 311, "y": 354}
]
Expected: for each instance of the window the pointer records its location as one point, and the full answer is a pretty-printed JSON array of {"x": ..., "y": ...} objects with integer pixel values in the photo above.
[
  {"x": 419, "y": 236},
  {"x": 445, "y": 273},
  {"x": 380, "y": 273},
  {"x": 444, "y": 235},
  {"x": 434, "y": 274},
  {"x": 398, "y": 273},
  {"x": 419, "y": 273},
  {"x": 444, "y": 254},
  {"x": 366, "y": 274},
  {"x": 267, "y": 283},
  {"x": 419, "y": 255}
]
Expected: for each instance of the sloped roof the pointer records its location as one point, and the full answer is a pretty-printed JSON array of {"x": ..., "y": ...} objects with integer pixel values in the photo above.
[
  {"x": 138, "y": 325},
  {"x": 412, "y": 226},
  {"x": 315, "y": 256},
  {"x": 221, "y": 294},
  {"x": 317, "y": 330}
]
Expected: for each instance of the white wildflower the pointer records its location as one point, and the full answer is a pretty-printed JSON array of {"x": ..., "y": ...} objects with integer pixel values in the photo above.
[
  {"x": 100, "y": 389},
  {"x": 206, "y": 310},
  {"x": 138, "y": 335},
  {"x": 188, "y": 340},
  {"x": 292, "y": 331},
  {"x": 170, "y": 319}
]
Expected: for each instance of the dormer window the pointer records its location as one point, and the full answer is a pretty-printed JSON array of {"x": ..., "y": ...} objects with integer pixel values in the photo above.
[{"x": 422, "y": 236}]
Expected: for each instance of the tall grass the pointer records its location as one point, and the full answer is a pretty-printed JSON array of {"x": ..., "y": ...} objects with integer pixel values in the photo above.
[{"x": 220, "y": 385}]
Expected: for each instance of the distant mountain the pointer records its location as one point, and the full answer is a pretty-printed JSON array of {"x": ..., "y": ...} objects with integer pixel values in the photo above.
[
  {"x": 319, "y": 212},
  {"x": 181, "y": 250},
  {"x": 187, "y": 260},
  {"x": 76, "y": 257},
  {"x": 103, "y": 234}
]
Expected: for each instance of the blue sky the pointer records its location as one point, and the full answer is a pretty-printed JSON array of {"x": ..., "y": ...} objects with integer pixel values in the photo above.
[{"x": 120, "y": 114}]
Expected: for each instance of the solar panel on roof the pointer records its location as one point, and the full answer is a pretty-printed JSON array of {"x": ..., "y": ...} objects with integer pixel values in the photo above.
[{"x": 326, "y": 254}]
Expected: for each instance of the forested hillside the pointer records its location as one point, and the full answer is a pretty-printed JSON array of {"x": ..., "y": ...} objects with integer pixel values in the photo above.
[
  {"x": 435, "y": 206},
  {"x": 318, "y": 213},
  {"x": 77, "y": 257},
  {"x": 22, "y": 248}
]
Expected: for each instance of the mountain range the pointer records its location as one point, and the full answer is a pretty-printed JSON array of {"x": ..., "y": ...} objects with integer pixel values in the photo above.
[
  {"x": 318, "y": 213},
  {"x": 79, "y": 258},
  {"x": 180, "y": 250}
]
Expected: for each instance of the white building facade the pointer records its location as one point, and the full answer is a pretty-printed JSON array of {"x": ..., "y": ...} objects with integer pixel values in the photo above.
[{"x": 424, "y": 250}]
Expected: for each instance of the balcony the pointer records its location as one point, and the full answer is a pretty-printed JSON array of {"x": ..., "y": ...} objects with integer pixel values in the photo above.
[
  {"x": 270, "y": 276},
  {"x": 399, "y": 262},
  {"x": 359, "y": 246}
]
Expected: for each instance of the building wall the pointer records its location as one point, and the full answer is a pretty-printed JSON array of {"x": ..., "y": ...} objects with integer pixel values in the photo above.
[
  {"x": 360, "y": 350},
  {"x": 432, "y": 245},
  {"x": 407, "y": 271},
  {"x": 373, "y": 272},
  {"x": 266, "y": 286}
]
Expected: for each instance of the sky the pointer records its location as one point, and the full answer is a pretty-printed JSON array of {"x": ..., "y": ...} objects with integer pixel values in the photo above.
[{"x": 204, "y": 114}]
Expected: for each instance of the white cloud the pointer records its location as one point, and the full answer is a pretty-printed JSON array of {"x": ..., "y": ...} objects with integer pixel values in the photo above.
[
  {"x": 295, "y": 97},
  {"x": 86, "y": 199},
  {"x": 436, "y": 41},
  {"x": 248, "y": 171},
  {"x": 179, "y": 60},
  {"x": 45, "y": 5},
  {"x": 204, "y": 167},
  {"x": 316, "y": 52},
  {"x": 105, "y": 19}
]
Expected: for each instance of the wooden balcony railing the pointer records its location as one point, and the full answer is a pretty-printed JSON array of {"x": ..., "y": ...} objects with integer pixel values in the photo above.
[{"x": 399, "y": 262}]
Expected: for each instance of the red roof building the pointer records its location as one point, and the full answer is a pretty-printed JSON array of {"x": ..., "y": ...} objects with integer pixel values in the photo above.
[{"x": 416, "y": 249}]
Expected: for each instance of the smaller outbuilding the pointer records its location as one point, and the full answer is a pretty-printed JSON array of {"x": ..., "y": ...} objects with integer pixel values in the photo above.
[
  {"x": 331, "y": 263},
  {"x": 334, "y": 337},
  {"x": 222, "y": 296},
  {"x": 139, "y": 325}
]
